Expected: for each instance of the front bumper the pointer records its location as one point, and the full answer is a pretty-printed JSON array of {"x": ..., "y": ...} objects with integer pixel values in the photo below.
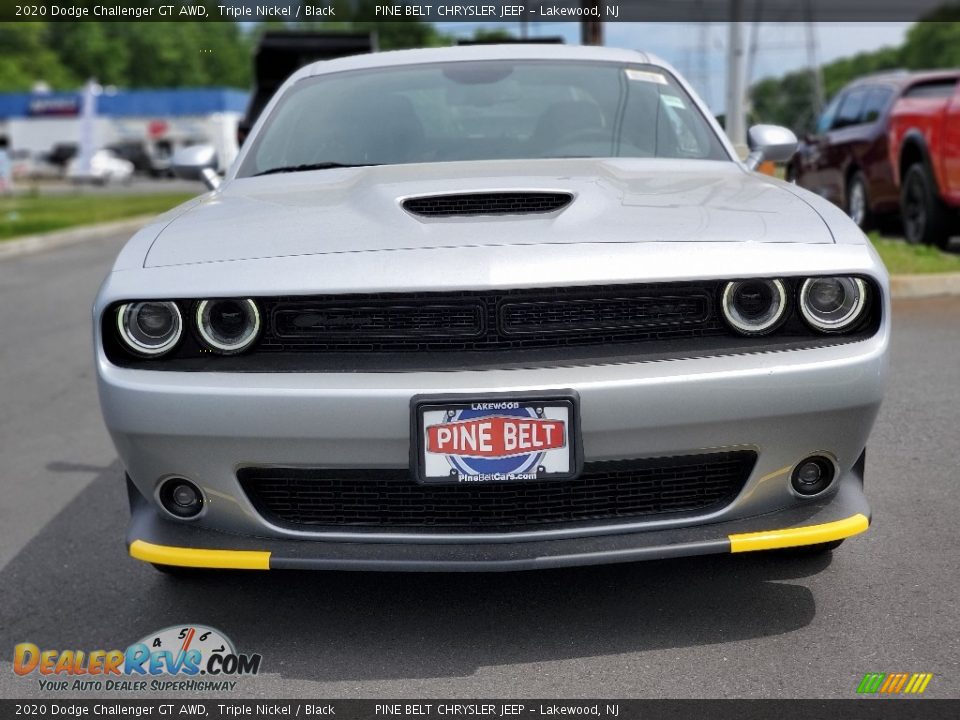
[
  {"x": 781, "y": 405},
  {"x": 784, "y": 406},
  {"x": 155, "y": 540}
]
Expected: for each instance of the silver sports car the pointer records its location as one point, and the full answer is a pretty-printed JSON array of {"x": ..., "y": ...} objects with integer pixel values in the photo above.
[{"x": 491, "y": 308}]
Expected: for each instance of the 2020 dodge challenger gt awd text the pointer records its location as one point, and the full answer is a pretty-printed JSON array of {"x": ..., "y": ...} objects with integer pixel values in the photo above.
[{"x": 488, "y": 308}]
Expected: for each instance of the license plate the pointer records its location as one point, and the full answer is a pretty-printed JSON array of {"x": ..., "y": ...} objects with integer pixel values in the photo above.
[{"x": 495, "y": 439}]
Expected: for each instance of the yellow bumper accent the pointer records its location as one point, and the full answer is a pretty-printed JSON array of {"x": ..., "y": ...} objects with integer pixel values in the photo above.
[
  {"x": 792, "y": 537},
  {"x": 193, "y": 557}
]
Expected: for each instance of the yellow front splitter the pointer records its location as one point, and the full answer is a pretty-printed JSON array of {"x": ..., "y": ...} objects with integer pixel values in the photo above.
[
  {"x": 260, "y": 559},
  {"x": 798, "y": 536},
  {"x": 200, "y": 558}
]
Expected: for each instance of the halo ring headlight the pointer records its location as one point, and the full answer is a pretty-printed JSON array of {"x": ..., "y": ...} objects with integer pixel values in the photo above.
[
  {"x": 150, "y": 328},
  {"x": 756, "y": 306},
  {"x": 228, "y": 325},
  {"x": 832, "y": 304}
]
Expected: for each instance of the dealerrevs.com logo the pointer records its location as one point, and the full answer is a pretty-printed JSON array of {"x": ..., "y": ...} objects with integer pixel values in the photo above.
[{"x": 178, "y": 658}]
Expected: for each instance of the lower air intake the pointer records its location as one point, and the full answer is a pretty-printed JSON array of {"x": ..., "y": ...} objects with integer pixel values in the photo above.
[{"x": 387, "y": 499}]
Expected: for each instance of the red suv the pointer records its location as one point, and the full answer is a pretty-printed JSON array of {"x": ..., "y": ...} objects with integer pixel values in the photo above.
[
  {"x": 924, "y": 142},
  {"x": 847, "y": 158}
]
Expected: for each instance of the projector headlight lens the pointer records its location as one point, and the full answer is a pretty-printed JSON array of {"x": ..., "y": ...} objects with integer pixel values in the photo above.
[
  {"x": 833, "y": 304},
  {"x": 754, "y": 307},
  {"x": 149, "y": 328},
  {"x": 229, "y": 325}
]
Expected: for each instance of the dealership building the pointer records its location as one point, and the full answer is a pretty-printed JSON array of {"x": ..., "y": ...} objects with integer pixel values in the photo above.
[{"x": 159, "y": 120}]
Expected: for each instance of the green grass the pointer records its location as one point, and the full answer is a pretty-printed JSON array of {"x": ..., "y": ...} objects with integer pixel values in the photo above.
[
  {"x": 901, "y": 258},
  {"x": 32, "y": 213}
]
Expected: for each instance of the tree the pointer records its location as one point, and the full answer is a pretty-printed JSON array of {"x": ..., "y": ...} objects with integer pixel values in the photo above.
[
  {"x": 26, "y": 59},
  {"x": 361, "y": 16},
  {"x": 492, "y": 34},
  {"x": 126, "y": 54},
  {"x": 934, "y": 44}
]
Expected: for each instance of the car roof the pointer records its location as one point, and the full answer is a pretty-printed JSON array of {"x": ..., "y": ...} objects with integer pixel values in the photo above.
[
  {"x": 902, "y": 79},
  {"x": 462, "y": 53}
]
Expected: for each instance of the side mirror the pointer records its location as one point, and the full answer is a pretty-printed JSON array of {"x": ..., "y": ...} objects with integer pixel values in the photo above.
[
  {"x": 197, "y": 162},
  {"x": 770, "y": 142}
]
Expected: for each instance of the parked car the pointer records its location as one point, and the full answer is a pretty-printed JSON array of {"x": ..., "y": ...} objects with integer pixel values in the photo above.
[
  {"x": 105, "y": 167},
  {"x": 847, "y": 157},
  {"x": 925, "y": 156},
  {"x": 61, "y": 154},
  {"x": 31, "y": 166},
  {"x": 491, "y": 308}
]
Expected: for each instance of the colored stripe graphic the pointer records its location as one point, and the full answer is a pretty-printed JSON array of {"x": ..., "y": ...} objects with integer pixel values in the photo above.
[{"x": 894, "y": 683}]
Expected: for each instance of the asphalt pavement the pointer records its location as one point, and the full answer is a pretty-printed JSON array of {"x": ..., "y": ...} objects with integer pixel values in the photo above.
[{"x": 724, "y": 626}]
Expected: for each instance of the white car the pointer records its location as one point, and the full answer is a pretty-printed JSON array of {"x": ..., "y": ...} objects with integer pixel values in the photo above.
[
  {"x": 105, "y": 167},
  {"x": 491, "y": 308}
]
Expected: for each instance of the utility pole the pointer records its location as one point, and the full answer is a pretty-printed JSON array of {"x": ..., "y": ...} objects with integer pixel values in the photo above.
[
  {"x": 591, "y": 31},
  {"x": 735, "y": 124},
  {"x": 814, "y": 65}
]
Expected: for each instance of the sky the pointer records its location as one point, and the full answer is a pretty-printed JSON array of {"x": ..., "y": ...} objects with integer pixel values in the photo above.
[{"x": 697, "y": 50}]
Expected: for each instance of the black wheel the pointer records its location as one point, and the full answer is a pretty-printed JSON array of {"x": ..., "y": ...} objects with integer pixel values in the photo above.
[
  {"x": 858, "y": 201},
  {"x": 925, "y": 219}
]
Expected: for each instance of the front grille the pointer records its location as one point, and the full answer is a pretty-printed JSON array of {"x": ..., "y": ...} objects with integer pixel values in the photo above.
[
  {"x": 508, "y": 320},
  {"x": 390, "y": 499},
  {"x": 485, "y": 329},
  {"x": 339, "y": 321},
  {"x": 487, "y": 203},
  {"x": 625, "y": 313}
]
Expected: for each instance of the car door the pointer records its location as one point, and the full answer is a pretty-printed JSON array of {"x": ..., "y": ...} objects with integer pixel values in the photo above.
[
  {"x": 872, "y": 156},
  {"x": 845, "y": 132},
  {"x": 951, "y": 149},
  {"x": 809, "y": 155}
]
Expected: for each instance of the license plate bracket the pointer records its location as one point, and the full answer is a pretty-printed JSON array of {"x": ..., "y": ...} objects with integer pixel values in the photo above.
[{"x": 495, "y": 438}]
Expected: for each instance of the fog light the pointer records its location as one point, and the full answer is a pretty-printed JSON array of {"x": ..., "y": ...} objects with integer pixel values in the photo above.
[
  {"x": 812, "y": 475},
  {"x": 181, "y": 498}
]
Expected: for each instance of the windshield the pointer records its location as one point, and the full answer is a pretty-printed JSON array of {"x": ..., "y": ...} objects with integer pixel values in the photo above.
[{"x": 481, "y": 111}]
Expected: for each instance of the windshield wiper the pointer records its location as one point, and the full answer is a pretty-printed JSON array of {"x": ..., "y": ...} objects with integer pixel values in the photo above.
[{"x": 311, "y": 166}]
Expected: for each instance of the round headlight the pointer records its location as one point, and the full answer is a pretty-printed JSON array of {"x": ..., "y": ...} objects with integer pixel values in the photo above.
[
  {"x": 229, "y": 325},
  {"x": 833, "y": 304},
  {"x": 151, "y": 327},
  {"x": 754, "y": 307}
]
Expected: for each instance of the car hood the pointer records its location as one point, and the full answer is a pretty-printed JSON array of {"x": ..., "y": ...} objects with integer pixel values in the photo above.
[{"x": 620, "y": 201}]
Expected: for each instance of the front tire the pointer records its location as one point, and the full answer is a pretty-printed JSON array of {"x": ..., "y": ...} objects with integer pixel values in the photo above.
[
  {"x": 858, "y": 201},
  {"x": 925, "y": 218}
]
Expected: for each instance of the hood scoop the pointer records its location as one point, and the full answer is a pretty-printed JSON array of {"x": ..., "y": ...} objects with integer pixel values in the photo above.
[{"x": 487, "y": 203}]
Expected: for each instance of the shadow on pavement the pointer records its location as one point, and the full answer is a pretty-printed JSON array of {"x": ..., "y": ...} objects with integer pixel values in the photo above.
[{"x": 73, "y": 586}]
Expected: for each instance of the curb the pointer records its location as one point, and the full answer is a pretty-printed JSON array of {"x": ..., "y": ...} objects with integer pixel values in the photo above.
[
  {"x": 902, "y": 287},
  {"x": 59, "y": 238},
  {"x": 924, "y": 286}
]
